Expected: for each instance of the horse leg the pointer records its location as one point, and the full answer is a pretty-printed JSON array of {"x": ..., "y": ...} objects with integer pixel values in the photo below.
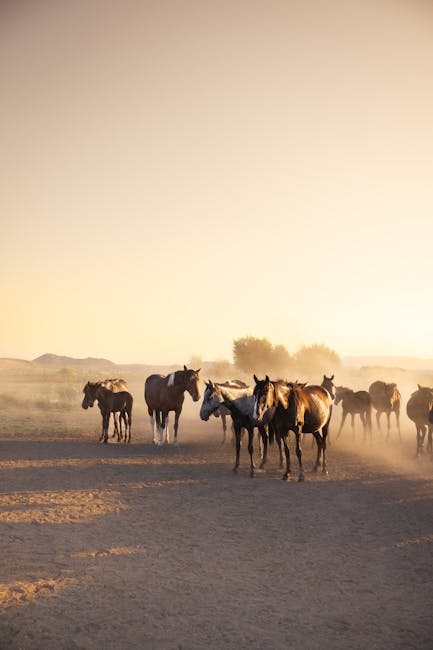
[
  {"x": 364, "y": 425},
  {"x": 420, "y": 435},
  {"x": 299, "y": 455},
  {"x": 251, "y": 449},
  {"x": 127, "y": 415},
  {"x": 176, "y": 425},
  {"x": 116, "y": 426},
  {"x": 319, "y": 442},
  {"x": 237, "y": 429},
  {"x": 158, "y": 419},
  {"x": 280, "y": 448},
  {"x": 378, "y": 414},
  {"x": 429, "y": 440},
  {"x": 352, "y": 415},
  {"x": 165, "y": 427},
  {"x": 388, "y": 425},
  {"x": 286, "y": 475},
  {"x": 152, "y": 425},
  {"x": 105, "y": 423},
  {"x": 224, "y": 423},
  {"x": 264, "y": 437}
]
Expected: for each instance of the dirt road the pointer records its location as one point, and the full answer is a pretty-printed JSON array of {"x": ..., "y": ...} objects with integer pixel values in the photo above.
[{"x": 138, "y": 547}]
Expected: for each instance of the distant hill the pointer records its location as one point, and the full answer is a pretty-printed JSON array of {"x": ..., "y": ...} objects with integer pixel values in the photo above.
[
  {"x": 12, "y": 364},
  {"x": 54, "y": 360},
  {"x": 408, "y": 363}
]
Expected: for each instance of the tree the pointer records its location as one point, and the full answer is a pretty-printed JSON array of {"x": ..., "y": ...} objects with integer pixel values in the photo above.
[
  {"x": 253, "y": 355},
  {"x": 316, "y": 359}
]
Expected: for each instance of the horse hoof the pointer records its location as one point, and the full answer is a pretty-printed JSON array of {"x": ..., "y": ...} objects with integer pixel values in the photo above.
[
  {"x": 286, "y": 477},
  {"x": 301, "y": 478},
  {"x": 325, "y": 472}
]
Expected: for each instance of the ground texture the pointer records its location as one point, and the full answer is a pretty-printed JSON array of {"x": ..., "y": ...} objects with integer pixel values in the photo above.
[{"x": 133, "y": 546}]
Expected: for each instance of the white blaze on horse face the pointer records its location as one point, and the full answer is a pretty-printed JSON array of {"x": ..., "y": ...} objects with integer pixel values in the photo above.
[
  {"x": 171, "y": 379},
  {"x": 256, "y": 408}
]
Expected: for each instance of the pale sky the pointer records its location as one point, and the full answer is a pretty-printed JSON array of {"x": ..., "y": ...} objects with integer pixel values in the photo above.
[{"x": 176, "y": 174}]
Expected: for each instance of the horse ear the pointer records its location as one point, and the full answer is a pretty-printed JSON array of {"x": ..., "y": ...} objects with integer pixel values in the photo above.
[
  {"x": 184, "y": 367},
  {"x": 255, "y": 379},
  {"x": 267, "y": 380},
  {"x": 197, "y": 371},
  {"x": 332, "y": 378},
  {"x": 210, "y": 383}
]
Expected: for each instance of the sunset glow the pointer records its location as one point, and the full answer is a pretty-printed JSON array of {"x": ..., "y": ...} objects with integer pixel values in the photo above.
[{"x": 179, "y": 174}]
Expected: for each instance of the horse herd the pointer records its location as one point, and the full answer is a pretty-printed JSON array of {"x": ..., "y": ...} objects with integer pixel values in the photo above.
[{"x": 274, "y": 408}]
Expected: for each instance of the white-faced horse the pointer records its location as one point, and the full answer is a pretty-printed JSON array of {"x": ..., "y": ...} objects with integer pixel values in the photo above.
[{"x": 239, "y": 401}]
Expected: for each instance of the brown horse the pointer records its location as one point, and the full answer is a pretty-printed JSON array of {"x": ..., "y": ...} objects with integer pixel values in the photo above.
[
  {"x": 292, "y": 408},
  {"x": 386, "y": 398},
  {"x": 166, "y": 393},
  {"x": 115, "y": 385},
  {"x": 356, "y": 403},
  {"x": 419, "y": 408},
  {"x": 109, "y": 402}
]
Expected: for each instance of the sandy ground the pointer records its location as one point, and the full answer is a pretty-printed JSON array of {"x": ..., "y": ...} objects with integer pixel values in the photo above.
[{"x": 138, "y": 547}]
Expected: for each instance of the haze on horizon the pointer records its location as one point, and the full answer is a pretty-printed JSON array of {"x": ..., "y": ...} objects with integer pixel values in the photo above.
[{"x": 180, "y": 174}]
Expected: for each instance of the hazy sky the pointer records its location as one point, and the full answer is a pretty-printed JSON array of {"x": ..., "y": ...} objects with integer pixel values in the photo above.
[{"x": 176, "y": 174}]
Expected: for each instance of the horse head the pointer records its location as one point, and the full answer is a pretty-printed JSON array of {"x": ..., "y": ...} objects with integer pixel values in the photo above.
[
  {"x": 192, "y": 380},
  {"x": 264, "y": 399},
  {"x": 89, "y": 391},
  {"x": 340, "y": 393},
  {"x": 212, "y": 400},
  {"x": 328, "y": 384}
]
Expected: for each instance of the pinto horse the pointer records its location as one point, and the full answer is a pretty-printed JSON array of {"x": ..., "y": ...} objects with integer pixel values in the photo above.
[
  {"x": 240, "y": 403},
  {"x": 223, "y": 411},
  {"x": 109, "y": 402},
  {"x": 292, "y": 408},
  {"x": 354, "y": 402},
  {"x": 166, "y": 393}
]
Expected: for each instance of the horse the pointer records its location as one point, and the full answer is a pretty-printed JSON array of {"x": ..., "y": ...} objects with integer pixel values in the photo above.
[
  {"x": 239, "y": 401},
  {"x": 115, "y": 385},
  {"x": 223, "y": 411},
  {"x": 386, "y": 398},
  {"x": 292, "y": 408},
  {"x": 419, "y": 409},
  {"x": 109, "y": 402},
  {"x": 354, "y": 402},
  {"x": 166, "y": 393}
]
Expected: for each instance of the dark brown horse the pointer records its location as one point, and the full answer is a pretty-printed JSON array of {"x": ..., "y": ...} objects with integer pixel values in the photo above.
[
  {"x": 292, "y": 408},
  {"x": 166, "y": 393},
  {"x": 109, "y": 402},
  {"x": 386, "y": 398},
  {"x": 115, "y": 385},
  {"x": 419, "y": 409},
  {"x": 356, "y": 403}
]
